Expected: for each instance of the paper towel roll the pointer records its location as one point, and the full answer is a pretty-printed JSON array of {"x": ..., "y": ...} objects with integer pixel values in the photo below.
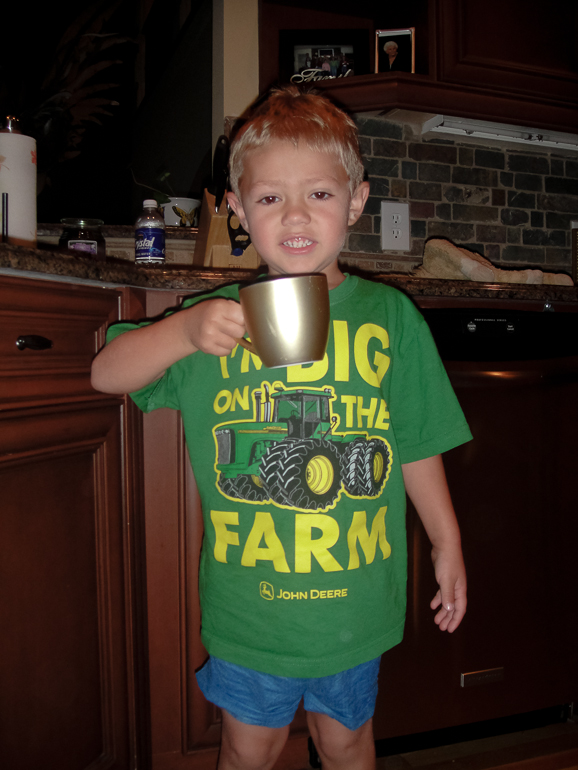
[{"x": 18, "y": 179}]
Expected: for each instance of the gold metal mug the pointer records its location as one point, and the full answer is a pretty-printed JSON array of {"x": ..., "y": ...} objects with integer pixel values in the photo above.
[{"x": 287, "y": 319}]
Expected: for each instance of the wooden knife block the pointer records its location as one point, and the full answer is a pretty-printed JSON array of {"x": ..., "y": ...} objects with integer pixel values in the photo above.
[{"x": 213, "y": 246}]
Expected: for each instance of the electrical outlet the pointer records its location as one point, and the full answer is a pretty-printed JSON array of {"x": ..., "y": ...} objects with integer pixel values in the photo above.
[{"x": 394, "y": 226}]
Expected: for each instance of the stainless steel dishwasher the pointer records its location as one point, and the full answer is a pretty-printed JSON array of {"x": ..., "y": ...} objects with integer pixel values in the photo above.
[{"x": 514, "y": 366}]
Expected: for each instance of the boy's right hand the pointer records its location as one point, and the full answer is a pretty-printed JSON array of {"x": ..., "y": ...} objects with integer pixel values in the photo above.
[
  {"x": 141, "y": 356},
  {"x": 214, "y": 325}
]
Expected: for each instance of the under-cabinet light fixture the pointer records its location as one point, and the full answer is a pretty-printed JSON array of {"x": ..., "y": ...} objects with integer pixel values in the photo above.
[{"x": 480, "y": 129}]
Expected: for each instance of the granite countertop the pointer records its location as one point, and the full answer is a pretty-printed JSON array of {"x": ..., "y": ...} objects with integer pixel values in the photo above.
[{"x": 62, "y": 265}]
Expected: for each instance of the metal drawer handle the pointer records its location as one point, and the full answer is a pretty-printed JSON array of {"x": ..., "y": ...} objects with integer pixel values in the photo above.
[{"x": 33, "y": 342}]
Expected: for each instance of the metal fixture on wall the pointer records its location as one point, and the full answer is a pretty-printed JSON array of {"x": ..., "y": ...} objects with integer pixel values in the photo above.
[{"x": 480, "y": 129}]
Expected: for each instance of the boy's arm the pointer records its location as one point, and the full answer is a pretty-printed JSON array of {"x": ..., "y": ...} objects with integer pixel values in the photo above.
[
  {"x": 426, "y": 485},
  {"x": 138, "y": 357}
]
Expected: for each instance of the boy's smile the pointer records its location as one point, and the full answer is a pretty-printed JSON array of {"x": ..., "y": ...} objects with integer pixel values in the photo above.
[{"x": 297, "y": 206}]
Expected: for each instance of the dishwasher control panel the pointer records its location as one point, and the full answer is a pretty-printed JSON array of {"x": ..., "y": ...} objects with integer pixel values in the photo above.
[{"x": 479, "y": 334}]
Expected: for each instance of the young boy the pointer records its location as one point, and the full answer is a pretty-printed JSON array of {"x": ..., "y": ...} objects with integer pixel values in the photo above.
[{"x": 303, "y": 471}]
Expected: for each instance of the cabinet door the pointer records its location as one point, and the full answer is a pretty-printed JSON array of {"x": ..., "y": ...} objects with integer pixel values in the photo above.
[
  {"x": 64, "y": 689},
  {"x": 73, "y": 689},
  {"x": 185, "y": 728},
  {"x": 520, "y": 47}
]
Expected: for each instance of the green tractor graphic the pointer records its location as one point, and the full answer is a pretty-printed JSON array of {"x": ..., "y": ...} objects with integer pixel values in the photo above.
[{"x": 290, "y": 456}]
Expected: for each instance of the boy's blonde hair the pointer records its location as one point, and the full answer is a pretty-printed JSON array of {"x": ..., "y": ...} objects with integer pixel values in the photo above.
[{"x": 291, "y": 115}]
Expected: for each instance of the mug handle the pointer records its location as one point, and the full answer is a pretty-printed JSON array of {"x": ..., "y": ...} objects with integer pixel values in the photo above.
[{"x": 247, "y": 345}]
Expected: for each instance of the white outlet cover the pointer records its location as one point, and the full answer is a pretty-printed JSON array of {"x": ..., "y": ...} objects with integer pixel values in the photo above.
[{"x": 395, "y": 226}]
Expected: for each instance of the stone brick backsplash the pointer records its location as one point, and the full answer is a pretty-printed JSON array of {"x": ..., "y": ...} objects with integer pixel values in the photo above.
[{"x": 512, "y": 205}]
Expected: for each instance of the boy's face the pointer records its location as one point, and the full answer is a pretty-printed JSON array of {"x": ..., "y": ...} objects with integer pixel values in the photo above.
[{"x": 296, "y": 206}]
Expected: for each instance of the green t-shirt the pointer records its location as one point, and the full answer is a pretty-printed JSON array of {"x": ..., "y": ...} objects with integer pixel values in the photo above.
[{"x": 303, "y": 568}]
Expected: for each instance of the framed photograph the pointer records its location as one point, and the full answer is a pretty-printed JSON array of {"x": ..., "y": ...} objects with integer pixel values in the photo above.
[
  {"x": 317, "y": 54},
  {"x": 395, "y": 50}
]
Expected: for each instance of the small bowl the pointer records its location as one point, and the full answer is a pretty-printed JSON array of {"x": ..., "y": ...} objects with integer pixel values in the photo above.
[{"x": 189, "y": 208}]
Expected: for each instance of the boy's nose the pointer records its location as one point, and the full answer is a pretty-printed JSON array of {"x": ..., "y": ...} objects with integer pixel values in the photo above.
[{"x": 295, "y": 213}]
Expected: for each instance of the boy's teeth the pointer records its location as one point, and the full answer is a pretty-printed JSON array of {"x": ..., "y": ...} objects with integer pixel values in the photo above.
[{"x": 298, "y": 243}]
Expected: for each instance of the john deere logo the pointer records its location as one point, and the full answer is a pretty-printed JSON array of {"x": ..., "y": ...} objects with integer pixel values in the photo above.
[{"x": 266, "y": 591}]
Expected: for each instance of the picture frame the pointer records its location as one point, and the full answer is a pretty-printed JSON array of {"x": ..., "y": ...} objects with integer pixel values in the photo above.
[
  {"x": 400, "y": 41},
  {"x": 318, "y": 54}
]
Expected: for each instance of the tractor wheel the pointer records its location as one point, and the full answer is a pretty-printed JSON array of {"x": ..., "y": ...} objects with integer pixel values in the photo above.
[
  {"x": 352, "y": 467},
  {"x": 273, "y": 466},
  {"x": 304, "y": 475},
  {"x": 244, "y": 487},
  {"x": 376, "y": 463}
]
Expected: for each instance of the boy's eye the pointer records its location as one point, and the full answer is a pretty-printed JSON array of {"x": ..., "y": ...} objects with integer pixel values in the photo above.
[
  {"x": 320, "y": 195},
  {"x": 268, "y": 199}
]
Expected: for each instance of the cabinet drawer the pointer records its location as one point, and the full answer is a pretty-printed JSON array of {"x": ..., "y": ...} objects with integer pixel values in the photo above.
[{"x": 71, "y": 319}]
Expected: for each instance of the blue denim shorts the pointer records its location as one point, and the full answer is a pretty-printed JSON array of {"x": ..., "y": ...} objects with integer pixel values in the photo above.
[{"x": 261, "y": 699}]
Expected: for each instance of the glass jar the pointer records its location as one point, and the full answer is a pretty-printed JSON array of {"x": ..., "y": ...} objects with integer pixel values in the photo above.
[{"x": 83, "y": 235}]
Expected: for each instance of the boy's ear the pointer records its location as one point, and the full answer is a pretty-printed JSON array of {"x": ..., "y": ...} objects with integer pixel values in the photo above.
[
  {"x": 235, "y": 203},
  {"x": 358, "y": 201}
]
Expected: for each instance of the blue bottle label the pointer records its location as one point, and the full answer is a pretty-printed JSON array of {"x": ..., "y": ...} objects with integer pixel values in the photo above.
[{"x": 149, "y": 244}]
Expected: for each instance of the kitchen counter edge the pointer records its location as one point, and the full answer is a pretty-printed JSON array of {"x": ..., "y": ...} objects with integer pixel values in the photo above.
[{"x": 61, "y": 266}]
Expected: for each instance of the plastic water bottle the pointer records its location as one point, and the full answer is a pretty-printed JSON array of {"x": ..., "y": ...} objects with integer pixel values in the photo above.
[{"x": 149, "y": 235}]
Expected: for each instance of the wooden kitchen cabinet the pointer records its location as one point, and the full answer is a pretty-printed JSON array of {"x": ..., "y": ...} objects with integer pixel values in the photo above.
[
  {"x": 509, "y": 62},
  {"x": 72, "y": 668},
  {"x": 101, "y": 530},
  {"x": 518, "y": 46}
]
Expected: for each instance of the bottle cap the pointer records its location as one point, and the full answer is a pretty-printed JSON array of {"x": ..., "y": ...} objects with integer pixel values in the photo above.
[{"x": 150, "y": 203}]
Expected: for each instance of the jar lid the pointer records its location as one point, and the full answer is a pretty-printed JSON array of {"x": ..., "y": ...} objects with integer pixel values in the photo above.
[
  {"x": 82, "y": 222},
  {"x": 11, "y": 125}
]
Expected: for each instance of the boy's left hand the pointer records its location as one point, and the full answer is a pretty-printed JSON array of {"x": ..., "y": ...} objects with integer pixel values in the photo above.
[
  {"x": 452, "y": 594},
  {"x": 426, "y": 485}
]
